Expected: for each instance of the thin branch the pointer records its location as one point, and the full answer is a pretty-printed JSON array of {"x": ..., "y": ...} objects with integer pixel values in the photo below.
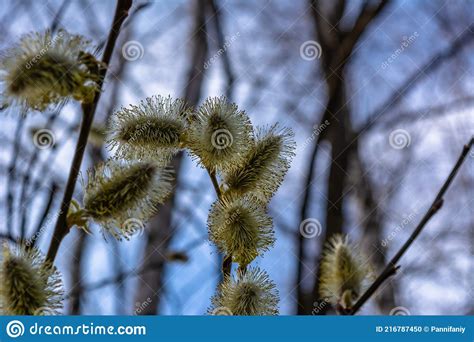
[
  {"x": 216, "y": 19},
  {"x": 25, "y": 182},
  {"x": 61, "y": 229},
  {"x": 430, "y": 112},
  {"x": 12, "y": 175},
  {"x": 454, "y": 48},
  {"x": 392, "y": 267},
  {"x": 120, "y": 277},
  {"x": 59, "y": 14},
  {"x": 227, "y": 262},
  {"x": 8, "y": 237},
  {"x": 38, "y": 231},
  {"x": 367, "y": 15},
  {"x": 215, "y": 183}
]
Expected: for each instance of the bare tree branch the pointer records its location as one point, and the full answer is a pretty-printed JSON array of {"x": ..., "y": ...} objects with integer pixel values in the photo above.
[
  {"x": 392, "y": 266},
  {"x": 61, "y": 228}
]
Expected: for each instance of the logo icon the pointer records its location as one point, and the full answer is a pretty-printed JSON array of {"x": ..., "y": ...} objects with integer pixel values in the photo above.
[
  {"x": 222, "y": 139},
  {"x": 399, "y": 139},
  {"x": 15, "y": 329},
  {"x": 310, "y": 228},
  {"x": 310, "y": 50},
  {"x": 132, "y": 50},
  {"x": 44, "y": 138},
  {"x": 399, "y": 311}
]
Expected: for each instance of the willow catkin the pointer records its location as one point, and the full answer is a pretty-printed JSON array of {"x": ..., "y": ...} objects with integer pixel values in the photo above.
[
  {"x": 264, "y": 166},
  {"x": 28, "y": 284},
  {"x": 44, "y": 69},
  {"x": 152, "y": 130},
  {"x": 250, "y": 293},
  {"x": 219, "y": 134},
  {"x": 344, "y": 272},
  {"x": 241, "y": 227},
  {"x": 119, "y": 196}
]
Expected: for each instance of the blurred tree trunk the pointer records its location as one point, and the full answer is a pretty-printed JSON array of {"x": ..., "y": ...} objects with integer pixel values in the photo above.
[
  {"x": 336, "y": 49},
  {"x": 372, "y": 223},
  {"x": 160, "y": 232}
]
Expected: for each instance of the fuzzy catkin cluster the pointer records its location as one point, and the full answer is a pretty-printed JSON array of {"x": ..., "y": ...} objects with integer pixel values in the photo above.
[
  {"x": 28, "y": 284},
  {"x": 265, "y": 164},
  {"x": 344, "y": 273},
  {"x": 251, "y": 164},
  {"x": 44, "y": 69},
  {"x": 219, "y": 134},
  {"x": 241, "y": 227},
  {"x": 122, "y": 196},
  {"x": 250, "y": 293},
  {"x": 153, "y": 130}
]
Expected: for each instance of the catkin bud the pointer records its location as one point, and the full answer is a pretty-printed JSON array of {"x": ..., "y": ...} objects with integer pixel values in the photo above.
[
  {"x": 344, "y": 273},
  {"x": 220, "y": 134},
  {"x": 241, "y": 227},
  {"x": 252, "y": 293},
  {"x": 116, "y": 193},
  {"x": 28, "y": 284},
  {"x": 150, "y": 131},
  {"x": 44, "y": 69},
  {"x": 264, "y": 166}
]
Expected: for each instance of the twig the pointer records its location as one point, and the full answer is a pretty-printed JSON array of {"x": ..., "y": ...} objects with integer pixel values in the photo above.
[
  {"x": 216, "y": 19},
  {"x": 456, "y": 46},
  {"x": 12, "y": 175},
  {"x": 120, "y": 277},
  {"x": 25, "y": 182},
  {"x": 215, "y": 183},
  {"x": 392, "y": 267},
  {"x": 227, "y": 261},
  {"x": 61, "y": 229},
  {"x": 43, "y": 218}
]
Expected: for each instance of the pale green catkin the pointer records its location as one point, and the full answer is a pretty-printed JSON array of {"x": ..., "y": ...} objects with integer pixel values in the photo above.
[
  {"x": 241, "y": 227},
  {"x": 264, "y": 166},
  {"x": 251, "y": 293},
  {"x": 117, "y": 192},
  {"x": 44, "y": 69},
  {"x": 220, "y": 134},
  {"x": 153, "y": 130},
  {"x": 344, "y": 272},
  {"x": 28, "y": 284}
]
